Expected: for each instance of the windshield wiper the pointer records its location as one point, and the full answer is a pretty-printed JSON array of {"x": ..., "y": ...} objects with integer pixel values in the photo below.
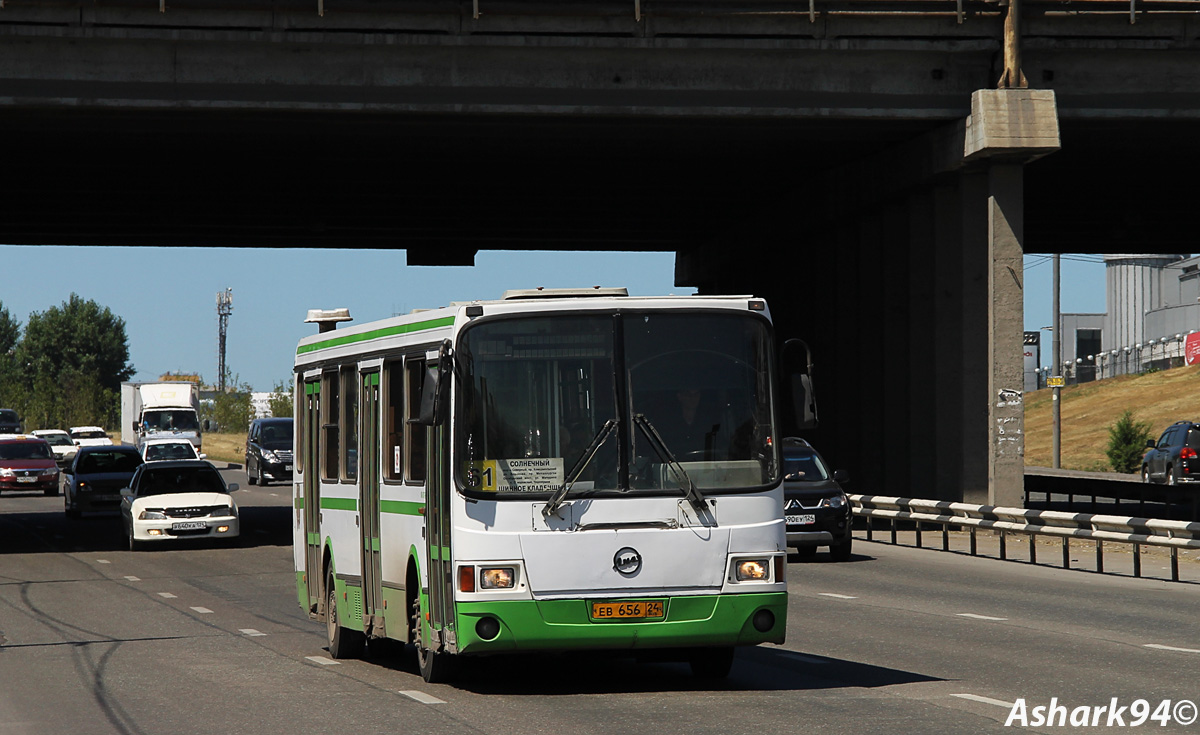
[
  {"x": 560, "y": 494},
  {"x": 694, "y": 496}
]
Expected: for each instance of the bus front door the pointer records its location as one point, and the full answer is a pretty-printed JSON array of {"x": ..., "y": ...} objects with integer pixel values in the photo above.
[
  {"x": 312, "y": 493},
  {"x": 368, "y": 479}
]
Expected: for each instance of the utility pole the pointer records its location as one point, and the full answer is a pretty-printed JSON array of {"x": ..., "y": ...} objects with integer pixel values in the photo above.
[
  {"x": 1056, "y": 401},
  {"x": 224, "y": 309}
]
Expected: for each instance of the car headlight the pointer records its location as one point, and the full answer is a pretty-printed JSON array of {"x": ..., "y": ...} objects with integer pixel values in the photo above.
[
  {"x": 50, "y": 472},
  {"x": 497, "y": 578},
  {"x": 230, "y": 510},
  {"x": 269, "y": 456},
  {"x": 746, "y": 570},
  {"x": 837, "y": 501},
  {"x": 7, "y": 473},
  {"x": 152, "y": 515}
]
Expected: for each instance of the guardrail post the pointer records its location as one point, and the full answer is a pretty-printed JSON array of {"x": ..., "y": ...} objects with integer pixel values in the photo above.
[
  {"x": 893, "y": 530},
  {"x": 918, "y": 534},
  {"x": 1033, "y": 548},
  {"x": 1174, "y": 564},
  {"x": 870, "y": 528},
  {"x": 1066, "y": 553},
  {"x": 1137, "y": 560},
  {"x": 1099, "y": 556},
  {"x": 972, "y": 541},
  {"x": 1003, "y": 546},
  {"x": 945, "y": 537}
]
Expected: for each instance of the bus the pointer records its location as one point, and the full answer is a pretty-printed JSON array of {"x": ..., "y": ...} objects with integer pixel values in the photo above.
[{"x": 554, "y": 470}]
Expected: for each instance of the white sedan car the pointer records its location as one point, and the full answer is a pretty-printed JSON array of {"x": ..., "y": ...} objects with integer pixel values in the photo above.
[
  {"x": 175, "y": 500},
  {"x": 157, "y": 450},
  {"x": 60, "y": 443},
  {"x": 89, "y": 436}
]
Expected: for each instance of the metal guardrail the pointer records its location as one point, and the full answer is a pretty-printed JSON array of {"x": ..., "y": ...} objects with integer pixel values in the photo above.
[{"x": 1174, "y": 535}]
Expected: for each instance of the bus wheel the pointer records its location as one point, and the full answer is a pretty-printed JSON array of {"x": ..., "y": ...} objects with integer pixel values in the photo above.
[
  {"x": 343, "y": 643},
  {"x": 711, "y": 663},
  {"x": 436, "y": 667}
]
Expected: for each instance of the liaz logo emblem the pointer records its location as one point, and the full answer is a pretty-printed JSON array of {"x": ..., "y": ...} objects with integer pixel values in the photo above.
[{"x": 627, "y": 561}]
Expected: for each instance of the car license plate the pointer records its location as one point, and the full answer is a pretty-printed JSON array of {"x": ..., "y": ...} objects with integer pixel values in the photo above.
[
  {"x": 189, "y": 526},
  {"x": 27, "y": 479},
  {"x": 802, "y": 520},
  {"x": 643, "y": 609}
]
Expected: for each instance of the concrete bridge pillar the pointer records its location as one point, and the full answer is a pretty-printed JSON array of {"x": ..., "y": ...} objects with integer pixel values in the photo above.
[{"x": 910, "y": 290}]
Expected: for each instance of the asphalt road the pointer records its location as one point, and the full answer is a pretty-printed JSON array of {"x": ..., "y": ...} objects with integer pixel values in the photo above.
[{"x": 96, "y": 639}]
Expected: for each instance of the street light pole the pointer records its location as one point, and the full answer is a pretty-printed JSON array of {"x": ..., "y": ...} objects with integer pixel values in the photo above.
[{"x": 1056, "y": 399}]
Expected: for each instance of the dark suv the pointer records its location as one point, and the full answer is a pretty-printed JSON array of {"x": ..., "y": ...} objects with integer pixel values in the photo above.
[
  {"x": 269, "y": 451},
  {"x": 815, "y": 508},
  {"x": 10, "y": 423},
  {"x": 1173, "y": 459}
]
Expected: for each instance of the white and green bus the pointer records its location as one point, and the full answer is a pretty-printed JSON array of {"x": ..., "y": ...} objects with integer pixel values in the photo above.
[{"x": 554, "y": 470}]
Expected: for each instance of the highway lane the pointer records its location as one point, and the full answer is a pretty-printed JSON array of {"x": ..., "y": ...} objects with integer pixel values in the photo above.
[{"x": 95, "y": 639}]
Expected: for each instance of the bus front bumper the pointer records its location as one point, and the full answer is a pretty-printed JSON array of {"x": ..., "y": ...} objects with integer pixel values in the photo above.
[{"x": 688, "y": 621}]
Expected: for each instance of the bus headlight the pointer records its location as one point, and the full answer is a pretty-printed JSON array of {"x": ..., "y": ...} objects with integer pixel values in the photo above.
[
  {"x": 752, "y": 569},
  {"x": 497, "y": 578}
]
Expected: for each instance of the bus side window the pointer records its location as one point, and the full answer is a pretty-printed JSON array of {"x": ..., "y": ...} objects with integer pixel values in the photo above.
[
  {"x": 349, "y": 424},
  {"x": 393, "y": 450},
  {"x": 414, "y": 450},
  {"x": 330, "y": 412}
]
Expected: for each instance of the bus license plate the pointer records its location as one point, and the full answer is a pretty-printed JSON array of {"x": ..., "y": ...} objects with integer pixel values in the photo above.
[
  {"x": 803, "y": 520},
  {"x": 627, "y": 610},
  {"x": 189, "y": 526}
]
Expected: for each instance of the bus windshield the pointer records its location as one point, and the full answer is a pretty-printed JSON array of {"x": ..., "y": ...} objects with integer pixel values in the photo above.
[{"x": 539, "y": 392}]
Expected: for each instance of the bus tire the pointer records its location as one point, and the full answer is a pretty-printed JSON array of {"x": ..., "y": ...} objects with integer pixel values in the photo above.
[
  {"x": 711, "y": 663},
  {"x": 343, "y": 643},
  {"x": 435, "y": 667}
]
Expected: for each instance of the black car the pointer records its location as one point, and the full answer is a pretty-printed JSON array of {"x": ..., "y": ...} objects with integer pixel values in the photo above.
[
  {"x": 10, "y": 423},
  {"x": 815, "y": 508},
  {"x": 1173, "y": 459},
  {"x": 269, "y": 451},
  {"x": 96, "y": 476}
]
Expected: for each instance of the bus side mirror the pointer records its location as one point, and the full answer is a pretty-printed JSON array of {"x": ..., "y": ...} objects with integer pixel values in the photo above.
[
  {"x": 435, "y": 389},
  {"x": 798, "y": 372}
]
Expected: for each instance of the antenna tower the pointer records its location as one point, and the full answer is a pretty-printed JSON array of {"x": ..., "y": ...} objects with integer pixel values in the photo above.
[{"x": 224, "y": 309}]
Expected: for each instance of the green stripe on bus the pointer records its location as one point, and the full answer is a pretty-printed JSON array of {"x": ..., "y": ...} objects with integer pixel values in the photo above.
[
  {"x": 376, "y": 334},
  {"x": 339, "y": 504},
  {"x": 401, "y": 507}
]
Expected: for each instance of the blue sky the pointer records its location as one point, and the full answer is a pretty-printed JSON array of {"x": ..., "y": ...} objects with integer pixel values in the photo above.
[{"x": 167, "y": 296}]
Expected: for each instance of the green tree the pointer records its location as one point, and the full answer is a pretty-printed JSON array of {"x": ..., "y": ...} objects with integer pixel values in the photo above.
[
  {"x": 10, "y": 384},
  {"x": 1127, "y": 443},
  {"x": 231, "y": 410},
  {"x": 79, "y": 336},
  {"x": 280, "y": 401}
]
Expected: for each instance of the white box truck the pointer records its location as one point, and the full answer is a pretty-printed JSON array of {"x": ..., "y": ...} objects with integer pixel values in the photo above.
[{"x": 160, "y": 411}]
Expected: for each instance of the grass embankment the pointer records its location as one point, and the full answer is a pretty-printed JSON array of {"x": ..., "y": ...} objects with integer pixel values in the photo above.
[
  {"x": 225, "y": 447},
  {"x": 1159, "y": 399}
]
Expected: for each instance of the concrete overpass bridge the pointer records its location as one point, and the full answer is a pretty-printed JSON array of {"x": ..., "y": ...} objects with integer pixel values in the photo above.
[{"x": 875, "y": 168}]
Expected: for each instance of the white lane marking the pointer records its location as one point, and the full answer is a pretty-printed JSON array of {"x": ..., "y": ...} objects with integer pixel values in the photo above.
[
  {"x": 1172, "y": 648},
  {"x": 274, "y": 495},
  {"x": 978, "y": 617},
  {"x": 132, "y": 578},
  {"x": 985, "y": 700},
  {"x": 421, "y": 697},
  {"x": 840, "y": 597},
  {"x": 323, "y": 661},
  {"x": 202, "y": 610},
  {"x": 251, "y": 632},
  {"x": 803, "y": 658},
  {"x": 103, "y": 561},
  {"x": 167, "y": 595}
]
